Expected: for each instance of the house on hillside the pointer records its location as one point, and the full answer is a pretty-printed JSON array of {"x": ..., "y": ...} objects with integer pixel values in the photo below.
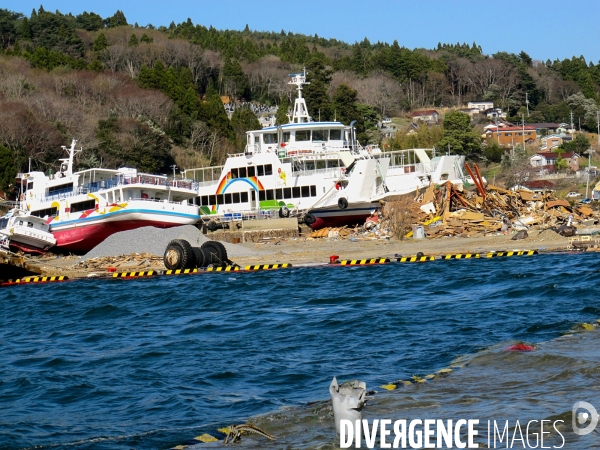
[
  {"x": 494, "y": 113},
  {"x": 428, "y": 116},
  {"x": 544, "y": 159},
  {"x": 509, "y": 136},
  {"x": 480, "y": 105},
  {"x": 539, "y": 186},
  {"x": 552, "y": 141}
]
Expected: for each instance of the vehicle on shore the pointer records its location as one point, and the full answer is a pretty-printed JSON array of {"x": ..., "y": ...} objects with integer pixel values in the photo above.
[{"x": 84, "y": 208}]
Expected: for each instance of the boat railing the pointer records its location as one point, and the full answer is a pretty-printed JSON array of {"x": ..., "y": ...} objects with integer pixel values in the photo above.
[
  {"x": 333, "y": 172},
  {"x": 96, "y": 186}
]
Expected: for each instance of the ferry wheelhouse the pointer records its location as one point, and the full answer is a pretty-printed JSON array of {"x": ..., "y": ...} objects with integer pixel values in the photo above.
[{"x": 84, "y": 208}]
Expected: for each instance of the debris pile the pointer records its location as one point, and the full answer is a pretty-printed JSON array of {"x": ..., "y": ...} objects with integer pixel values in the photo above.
[
  {"x": 133, "y": 261},
  {"x": 479, "y": 210}
]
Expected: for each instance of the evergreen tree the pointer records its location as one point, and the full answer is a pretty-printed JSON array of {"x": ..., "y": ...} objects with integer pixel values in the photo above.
[
  {"x": 133, "y": 41},
  {"x": 459, "y": 136},
  {"x": 281, "y": 118},
  {"x": 100, "y": 43},
  {"x": 242, "y": 120}
]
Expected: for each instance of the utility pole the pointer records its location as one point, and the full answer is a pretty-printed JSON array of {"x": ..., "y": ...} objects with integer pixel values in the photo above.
[
  {"x": 587, "y": 188},
  {"x": 527, "y": 103},
  {"x": 174, "y": 167},
  {"x": 523, "y": 119},
  {"x": 572, "y": 126},
  {"x": 598, "y": 119}
]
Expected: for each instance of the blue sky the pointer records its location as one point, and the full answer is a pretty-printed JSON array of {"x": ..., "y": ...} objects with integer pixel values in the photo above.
[{"x": 542, "y": 28}]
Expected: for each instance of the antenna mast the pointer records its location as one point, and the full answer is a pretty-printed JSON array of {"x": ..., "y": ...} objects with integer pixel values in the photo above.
[{"x": 300, "y": 112}]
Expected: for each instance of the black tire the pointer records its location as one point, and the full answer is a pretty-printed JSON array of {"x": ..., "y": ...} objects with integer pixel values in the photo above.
[
  {"x": 179, "y": 255},
  {"x": 284, "y": 212},
  {"x": 199, "y": 255},
  {"x": 343, "y": 203},
  {"x": 214, "y": 253},
  {"x": 309, "y": 219},
  {"x": 212, "y": 225}
]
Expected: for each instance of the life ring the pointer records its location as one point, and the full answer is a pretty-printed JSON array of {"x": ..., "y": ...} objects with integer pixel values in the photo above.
[
  {"x": 343, "y": 203},
  {"x": 279, "y": 170},
  {"x": 338, "y": 186},
  {"x": 284, "y": 212}
]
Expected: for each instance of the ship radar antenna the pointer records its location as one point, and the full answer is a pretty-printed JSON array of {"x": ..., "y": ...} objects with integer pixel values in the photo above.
[{"x": 300, "y": 112}]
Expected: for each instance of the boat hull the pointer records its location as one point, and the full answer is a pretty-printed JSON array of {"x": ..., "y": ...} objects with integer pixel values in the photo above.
[
  {"x": 333, "y": 216},
  {"x": 80, "y": 236}
]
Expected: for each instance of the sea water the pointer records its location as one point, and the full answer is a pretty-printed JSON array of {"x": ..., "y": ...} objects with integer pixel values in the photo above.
[{"x": 151, "y": 363}]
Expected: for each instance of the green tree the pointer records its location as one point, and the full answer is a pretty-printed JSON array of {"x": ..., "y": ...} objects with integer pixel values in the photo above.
[
  {"x": 146, "y": 39},
  {"x": 578, "y": 145},
  {"x": 133, "y": 41},
  {"x": 117, "y": 20},
  {"x": 89, "y": 21},
  {"x": 459, "y": 136},
  {"x": 7, "y": 168},
  {"x": 242, "y": 120},
  {"x": 100, "y": 43},
  {"x": 281, "y": 118}
]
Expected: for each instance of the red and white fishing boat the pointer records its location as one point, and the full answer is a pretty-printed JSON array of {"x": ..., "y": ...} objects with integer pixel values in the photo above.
[
  {"x": 22, "y": 231},
  {"x": 84, "y": 208}
]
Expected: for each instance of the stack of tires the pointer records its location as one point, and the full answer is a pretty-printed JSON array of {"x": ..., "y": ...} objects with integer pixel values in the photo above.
[{"x": 181, "y": 255}]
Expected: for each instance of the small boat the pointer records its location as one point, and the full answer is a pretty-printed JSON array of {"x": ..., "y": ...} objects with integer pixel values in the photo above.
[
  {"x": 84, "y": 208},
  {"x": 22, "y": 231}
]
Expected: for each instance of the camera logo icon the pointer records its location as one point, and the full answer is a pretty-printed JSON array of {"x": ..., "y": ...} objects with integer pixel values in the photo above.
[{"x": 581, "y": 418}]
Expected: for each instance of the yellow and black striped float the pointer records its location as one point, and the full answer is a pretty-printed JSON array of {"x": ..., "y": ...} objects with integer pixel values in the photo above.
[
  {"x": 29, "y": 280},
  {"x": 180, "y": 271},
  {"x": 224, "y": 269},
  {"x": 147, "y": 273},
  {"x": 461, "y": 256},
  {"x": 364, "y": 262},
  {"x": 268, "y": 267},
  {"x": 412, "y": 259},
  {"x": 513, "y": 253}
]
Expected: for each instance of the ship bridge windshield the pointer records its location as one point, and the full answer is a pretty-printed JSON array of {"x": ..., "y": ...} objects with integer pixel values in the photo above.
[{"x": 270, "y": 138}]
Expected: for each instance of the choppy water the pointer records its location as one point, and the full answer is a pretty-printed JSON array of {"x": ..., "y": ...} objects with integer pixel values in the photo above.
[{"x": 151, "y": 363}]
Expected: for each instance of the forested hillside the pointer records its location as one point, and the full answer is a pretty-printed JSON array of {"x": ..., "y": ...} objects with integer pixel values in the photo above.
[{"x": 150, "y": 97}]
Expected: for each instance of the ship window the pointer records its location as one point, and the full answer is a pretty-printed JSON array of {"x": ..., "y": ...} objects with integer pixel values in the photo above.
[
  {"x": 333, "y": 163},
  {"x": 204, "y": 200},
  {"x": 260, "y": 170},
  {"x": 335, "y": 135},
  {"x": 30, "y": 185},
  {"x": 234, "y": 173},
  {"x": 261, "y": 196},
  {"x": 268, "y": 169},
  {"x": 302, "y": 135},
  {"x": 305, "y": 191},
  {"x": 253, "y": 196},
  {"x": 287, "y": 192},
  {"x": 309, "y": 165},
  {"x": 50, "y": 212},
  {"x": 212, "y": 199},
  {"x": 319, "y": 135},
  {"x": 313, "y": 191},
  {"x": 3, "y": 223},
  {"x": 60, "y": 189},
  {"x": 236, "y": 197},
  {"x": 296, "y": 192},
  {"x": 251, "y": 171},
  {"x": 228, "y": 199},
  {"x": 286, "y": 136},
  {"x": 82, "y": 206},
  {"x": 321, "y": 164},
  {"x": 244, "y": 197},
  {"x": 279, "y": 194},
  {"x": 270, "y": 195},
  {"x": 270, "y": 138},
  {"x": 242, "y": 172},
  {"x": 220, "y": 199},
  {"x": 29, "y": 224}
]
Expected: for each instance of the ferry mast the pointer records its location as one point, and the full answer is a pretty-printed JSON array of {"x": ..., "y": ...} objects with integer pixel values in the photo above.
[{"x": 300, "y": 112}]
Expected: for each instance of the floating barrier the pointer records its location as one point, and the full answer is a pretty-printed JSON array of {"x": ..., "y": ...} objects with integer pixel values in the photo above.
[
  {"x": 268, "y": 267},
  {"x": 30, "y": 280},
  {"x": 180, "y": 271},
  {"x": 224, "y": 269},
  {"x": 363, "y": 262},
  {"x": 412, "y": 259},
  {"x": 148, "y": 273}
]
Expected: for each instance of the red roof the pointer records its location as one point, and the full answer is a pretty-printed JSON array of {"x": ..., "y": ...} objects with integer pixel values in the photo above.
[
  {"x": 539, "y": 184},
  {"x": 552, "y": 155},
  {"x": 428, "y": 112}
]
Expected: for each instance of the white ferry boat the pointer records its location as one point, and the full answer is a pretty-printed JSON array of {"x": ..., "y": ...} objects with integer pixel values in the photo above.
[
  {"x": 22, "y": 231},
  {"x": 314, "y": 170},
  {"x": 84, "y": 208},
  {"x": 288, "y": 168}
]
